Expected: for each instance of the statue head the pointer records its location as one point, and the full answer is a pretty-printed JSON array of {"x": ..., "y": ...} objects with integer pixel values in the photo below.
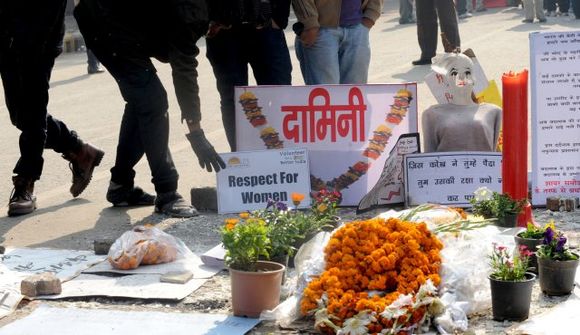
[{"x": 457, "y": 69}]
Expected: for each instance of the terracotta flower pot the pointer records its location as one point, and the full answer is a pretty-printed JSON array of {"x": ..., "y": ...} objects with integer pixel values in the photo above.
[
  {"x": 253, "y": 292},
  {"x": 557, "y": 277},
  {"x": 531, "y": 244},
  {"x": 510, "y": 300}
]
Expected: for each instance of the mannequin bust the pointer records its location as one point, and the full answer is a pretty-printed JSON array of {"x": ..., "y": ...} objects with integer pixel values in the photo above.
[{"x": 461, "y": 124}]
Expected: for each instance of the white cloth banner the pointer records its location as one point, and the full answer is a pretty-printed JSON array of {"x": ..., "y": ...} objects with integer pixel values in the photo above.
[{"x": 347, "y": 129}]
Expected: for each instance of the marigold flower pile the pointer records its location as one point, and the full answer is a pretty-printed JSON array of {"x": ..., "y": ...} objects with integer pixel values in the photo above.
[{"x": 388, "y": 255}]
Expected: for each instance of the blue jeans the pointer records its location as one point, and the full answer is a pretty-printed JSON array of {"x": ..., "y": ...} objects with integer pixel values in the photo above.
[{"x": 339, "y": 56}]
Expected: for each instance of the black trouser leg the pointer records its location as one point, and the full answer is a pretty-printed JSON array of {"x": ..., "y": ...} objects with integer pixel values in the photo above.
[
  {"x": 145, "y": 125},
  {"x": 427, "y": 28},
  {"x": 25, "y": 77},
  {"x": 230, "y": 67},
  {"x": 448, "y": 22}
]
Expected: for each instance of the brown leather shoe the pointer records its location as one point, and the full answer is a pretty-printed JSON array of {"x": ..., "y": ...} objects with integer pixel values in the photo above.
[
  {"x": 22, "y": 201},
  {"x": 82, "y": 163}
]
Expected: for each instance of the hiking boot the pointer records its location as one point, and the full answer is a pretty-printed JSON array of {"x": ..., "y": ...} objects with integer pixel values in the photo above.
[
  {"x": 22, "y": 201},
  {"x": 125, "y": 196},
  {"x": 173, "y": 204},
  {"x": 82, "y": 164}
]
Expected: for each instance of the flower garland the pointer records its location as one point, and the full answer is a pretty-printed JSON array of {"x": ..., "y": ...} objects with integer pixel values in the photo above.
[
  {"x": 389, "y": 256},
  {"x": 374, "y": 149}
]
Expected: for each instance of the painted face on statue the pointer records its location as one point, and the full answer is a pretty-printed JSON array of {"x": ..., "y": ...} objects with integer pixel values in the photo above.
[{"x": 457, "y": 68}]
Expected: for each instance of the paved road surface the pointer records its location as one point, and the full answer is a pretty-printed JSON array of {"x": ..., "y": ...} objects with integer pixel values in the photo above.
[{"x": 92, "y": 105}]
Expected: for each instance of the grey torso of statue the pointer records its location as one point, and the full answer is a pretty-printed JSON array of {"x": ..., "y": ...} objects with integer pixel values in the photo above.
[{"x": 451, "y": 127}]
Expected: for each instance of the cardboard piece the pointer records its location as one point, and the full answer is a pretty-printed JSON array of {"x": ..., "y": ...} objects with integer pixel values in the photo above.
[
  {"x": 19, "y": 263},
  {"x": 191, "y": 263},
  {"x": 142, "y": 286},
  {"x": 390, "y": 189},
  {"x": 68, "y": 321}
]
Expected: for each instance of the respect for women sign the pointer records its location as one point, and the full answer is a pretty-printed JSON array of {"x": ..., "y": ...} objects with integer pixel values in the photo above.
[
  {"x": 555, "y": 80},
  {"x": 252, "y": 179},
  {"x": 348, "y": 129}
]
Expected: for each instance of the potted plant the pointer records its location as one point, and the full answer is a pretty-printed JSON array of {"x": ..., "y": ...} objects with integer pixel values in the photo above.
[
  {"x": 325, "y": 207},
  {"x": 556, "y": 264},
  {"x": 491, "y": 204},
  {"x": 511, "y": 286},
  {"x": 532, "y": 237},
  {"x": 255, "y": 284}
]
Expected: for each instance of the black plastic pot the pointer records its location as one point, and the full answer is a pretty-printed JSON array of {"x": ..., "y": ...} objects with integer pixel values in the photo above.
[
  {"x": 557, "y": 277},
  {"x": 531, "y": 244},
  {"x": 509, "y": 220},
  {"x": 510, "y": 300}
]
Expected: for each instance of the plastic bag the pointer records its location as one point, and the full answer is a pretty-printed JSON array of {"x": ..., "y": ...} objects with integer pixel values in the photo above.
[{"x": 143, "y": 245}]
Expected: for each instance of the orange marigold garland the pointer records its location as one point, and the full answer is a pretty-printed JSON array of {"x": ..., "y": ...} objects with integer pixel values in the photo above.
[{"x": 390, "y": 256}]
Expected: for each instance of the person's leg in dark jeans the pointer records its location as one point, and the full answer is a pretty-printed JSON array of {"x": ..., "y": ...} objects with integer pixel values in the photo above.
[
  {"x": 564, "y": 6},
  {"x": 448, "y": 23},
  {"x": 94, "y": 66},
  {"x": 25, "y": 77},
  {"x": 230, "y": 67},
  {"x": 269, "y": 57},
  {"x": 426, "y": 31}
]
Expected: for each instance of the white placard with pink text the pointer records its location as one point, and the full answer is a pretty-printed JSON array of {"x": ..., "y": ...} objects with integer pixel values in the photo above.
[{"x": 348, "y": 129}]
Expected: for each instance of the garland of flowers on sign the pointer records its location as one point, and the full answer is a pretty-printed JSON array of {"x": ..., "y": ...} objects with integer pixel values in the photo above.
[
  {"x": 398, "y": 261},
  {"x": 374, "y": 149}
]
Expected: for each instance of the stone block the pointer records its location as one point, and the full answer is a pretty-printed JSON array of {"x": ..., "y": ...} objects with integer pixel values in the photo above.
[
  {"x": 177, "y": 277},
  {"x": 204, "y": 198},
  {"x": 102, "y": 246},
  {"x": 553, "y": 204},
  {"x": 2, "y": 249},
  {"x": 40, "y": 284}
]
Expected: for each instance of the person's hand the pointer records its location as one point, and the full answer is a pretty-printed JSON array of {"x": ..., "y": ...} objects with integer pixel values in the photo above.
[
  {"x": 309, "y": 36},
  {"x": 205, "y": 152},
  {"x": 368, "y": 22}
]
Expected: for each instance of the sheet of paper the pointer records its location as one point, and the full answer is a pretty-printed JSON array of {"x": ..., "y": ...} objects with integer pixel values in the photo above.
[
  {"x": 68, "y": 321},
  {"x": 143, "y": 286}
]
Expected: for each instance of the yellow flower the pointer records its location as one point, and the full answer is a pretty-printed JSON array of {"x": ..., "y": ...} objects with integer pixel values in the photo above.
[
  {"x": 245, "y": 215},
  {"x": 551, "y": 225},
  {"x": 297, "y": 198},
  {"x": 321, "y": 208}
]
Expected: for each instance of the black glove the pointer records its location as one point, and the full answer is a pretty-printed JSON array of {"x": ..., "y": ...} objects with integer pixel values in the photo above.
[{"x": 205, "y": 152}]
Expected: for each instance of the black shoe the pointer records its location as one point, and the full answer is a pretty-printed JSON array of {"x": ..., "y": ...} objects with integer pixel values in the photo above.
[
  {"x": 422, "y": 61},
  {"x": 173, "y": 204},
  {"x": 542, "y": 20},
  {"x": 481, "y": 9},
  {"x": 126, "y": 196},
  {"x": 95, "y": 70},
  {"x": 22, "y": 201},
  {"x": 529, "y": 21}
]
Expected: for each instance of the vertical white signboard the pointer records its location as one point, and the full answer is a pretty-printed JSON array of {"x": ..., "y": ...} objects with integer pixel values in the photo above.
[{"x": 555, "y": 83}]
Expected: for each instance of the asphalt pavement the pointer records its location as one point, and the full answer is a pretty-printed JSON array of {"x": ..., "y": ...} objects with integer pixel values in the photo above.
[{"x": 93, "y": 107}]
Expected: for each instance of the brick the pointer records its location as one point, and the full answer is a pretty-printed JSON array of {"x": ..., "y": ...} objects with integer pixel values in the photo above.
[
  {"x": 2, "y": 249},
  {"x": 40, "y": 284},
  {"x": 102, "y": 246},
  {"x": 204, "y": 198}
]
